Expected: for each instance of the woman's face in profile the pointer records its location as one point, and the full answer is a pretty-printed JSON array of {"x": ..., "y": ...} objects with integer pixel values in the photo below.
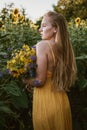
[{"x": 46, "y": 30}]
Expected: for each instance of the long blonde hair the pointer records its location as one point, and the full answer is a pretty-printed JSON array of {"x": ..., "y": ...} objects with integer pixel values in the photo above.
[{"x": 64, "y": 73}]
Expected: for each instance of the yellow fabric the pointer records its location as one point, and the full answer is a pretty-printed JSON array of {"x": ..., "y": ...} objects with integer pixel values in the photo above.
[{"x": 51, "y": 110}]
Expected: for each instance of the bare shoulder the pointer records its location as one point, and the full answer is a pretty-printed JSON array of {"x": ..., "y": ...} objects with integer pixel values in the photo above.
[{"x": 42, "y": 45}]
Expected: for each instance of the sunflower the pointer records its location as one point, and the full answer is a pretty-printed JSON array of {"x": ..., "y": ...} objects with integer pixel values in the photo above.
[
  {"x": 77, "y": 20},
  {"x": 14, "y": 16},
  {"x": 16, "y": 11},
  {"x": 83, "y": 23}
]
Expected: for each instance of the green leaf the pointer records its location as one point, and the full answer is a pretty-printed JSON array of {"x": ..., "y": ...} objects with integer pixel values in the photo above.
[
  {"x": 12, "y": 88},
  {"x": 81, "y": 57},
  {"x": 21, "y": 101},
  {"x": 3, "y": 53},
  {"x": 4, "y": 108},
  {"x": 82, "y": 83}
]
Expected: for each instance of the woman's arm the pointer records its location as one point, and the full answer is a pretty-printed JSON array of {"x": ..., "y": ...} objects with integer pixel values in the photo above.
[{"x": 41, "y": 71}]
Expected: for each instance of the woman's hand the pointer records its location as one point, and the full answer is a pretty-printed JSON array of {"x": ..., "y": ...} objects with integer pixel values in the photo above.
[
  {"x": 28, "y": 86},
  {"x": 30, "y": 83}
]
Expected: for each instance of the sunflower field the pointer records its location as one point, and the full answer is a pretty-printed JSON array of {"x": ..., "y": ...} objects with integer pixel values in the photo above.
[
  {"x": 15, "y": 102},
  {"x": 78, "y": 34}
]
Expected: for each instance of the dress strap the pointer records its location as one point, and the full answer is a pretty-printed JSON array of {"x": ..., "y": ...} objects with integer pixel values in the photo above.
[{"x": 52, "y": 53}]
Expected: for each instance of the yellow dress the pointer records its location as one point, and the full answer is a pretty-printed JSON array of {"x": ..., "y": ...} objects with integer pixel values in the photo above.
[{"x": 51, "y": 110}]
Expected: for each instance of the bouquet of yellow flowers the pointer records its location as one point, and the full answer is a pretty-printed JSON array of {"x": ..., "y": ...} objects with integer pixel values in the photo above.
[{"x": 23, "y": 62}]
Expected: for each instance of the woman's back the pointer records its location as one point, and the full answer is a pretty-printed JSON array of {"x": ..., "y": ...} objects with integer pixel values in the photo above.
[{"x": 49, "y": 51}]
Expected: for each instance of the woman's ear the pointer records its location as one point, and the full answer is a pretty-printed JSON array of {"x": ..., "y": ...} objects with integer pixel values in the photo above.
[{"x": 54, "y": 31}]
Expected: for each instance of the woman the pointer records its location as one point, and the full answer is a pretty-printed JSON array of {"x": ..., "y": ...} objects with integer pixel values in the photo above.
[{"x": 56, "y": 73}]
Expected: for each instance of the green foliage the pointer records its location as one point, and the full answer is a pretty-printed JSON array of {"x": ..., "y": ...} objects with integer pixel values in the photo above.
[
  {"x": 14, "y": 100},
  {"x": 72, "y": 8},
  {"x": 38, "y": 22},
  {"x": 78, "y": 36}
]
